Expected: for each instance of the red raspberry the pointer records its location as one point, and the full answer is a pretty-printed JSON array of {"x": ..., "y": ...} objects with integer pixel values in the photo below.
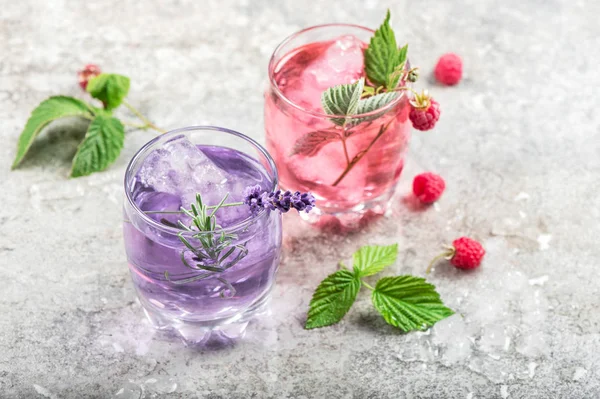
[
  {"x": 465, "y": 253},
  {"x": 90, "y": 71},
  {"x": 448, "y": 69},
  {"x": 468, "y": 253},
  {"x": 424, "y": 112},
  {"x": 428, "y": 187}
]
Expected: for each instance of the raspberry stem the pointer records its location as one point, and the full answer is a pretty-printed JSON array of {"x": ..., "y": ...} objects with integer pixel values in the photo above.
[
  {"x": 143, "y": 118},
  {"x": 135, "y": 125},
  {"x": 405, "y": 88},
  {"x": 361, "y": 154},
  {"x": 448, "y": 254},
  {"x": 345, "y": 150}
]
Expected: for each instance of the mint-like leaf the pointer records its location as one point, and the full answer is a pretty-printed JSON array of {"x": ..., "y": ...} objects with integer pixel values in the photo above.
[
  {"x": 342, "y": 100},
  {"x": 109, "y": 88},
  {"x": 370, "y": 260},
  {"x": 373, "y": 103},
  {"x": 409, "y": 303},
  {"x": 310, "y": 144},
  {"x": 332, "y": 299},
  {"x": 382, "y": 57},
  {"x": 100, "y": 147},
  {"x": 49, "y": 110}
]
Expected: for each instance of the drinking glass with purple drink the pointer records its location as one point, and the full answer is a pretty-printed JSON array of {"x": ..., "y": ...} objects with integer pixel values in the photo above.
[{"x": 202, "y": 241}]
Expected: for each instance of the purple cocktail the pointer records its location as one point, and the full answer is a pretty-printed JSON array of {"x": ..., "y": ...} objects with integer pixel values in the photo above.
[{"x": 191, "y": 277}]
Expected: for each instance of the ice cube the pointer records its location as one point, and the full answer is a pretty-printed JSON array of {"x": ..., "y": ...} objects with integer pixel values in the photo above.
[
  {"x": 451, "y": 335},
  {"x": 533, "y": 344},
  {"x": 182, "y": 169},
  {"x": 341, "y": 63},
  {"x": 327, "y": 167},
  {"x": 307, "y": 74},
  {"x": 493, "y": 339}
]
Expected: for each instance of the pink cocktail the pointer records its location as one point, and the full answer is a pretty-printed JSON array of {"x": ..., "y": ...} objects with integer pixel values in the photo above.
[{"x": 351, "y": 169}]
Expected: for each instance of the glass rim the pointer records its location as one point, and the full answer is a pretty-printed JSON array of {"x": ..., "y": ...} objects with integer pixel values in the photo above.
[
  {"x": 144, "y": 150},
  {"x": 378, "y": 112}
]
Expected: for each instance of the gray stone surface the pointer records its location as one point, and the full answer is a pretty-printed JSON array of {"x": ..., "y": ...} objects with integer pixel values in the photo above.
[{"x": 518, "y": 144}]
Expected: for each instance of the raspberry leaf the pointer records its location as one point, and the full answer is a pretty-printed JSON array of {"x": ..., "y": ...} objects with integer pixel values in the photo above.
[
  {"x": 100, "y": 147},
  {"x": 373, "y": 103},
  {"x": 342, "y": 100},
  {"x": 311, "y": 143},
  {"x": 332, "y": 299},
  {"x": 409, "y": 303},
  {"x": 394, "y": 77},
  {"x": 370, "y": 260},
  {"x": 109, "y": 88},
  {"x": 49, "y": 110},
  {"x": 382, "y": 57}
]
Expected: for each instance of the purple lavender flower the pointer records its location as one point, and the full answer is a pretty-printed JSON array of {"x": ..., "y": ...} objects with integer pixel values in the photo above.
[
  {"x": 267, "y": 200},
  {"x": 253, "y": 197},
  {"x": 303, "y": 201},
  {"x": 256, "y": 198},
  {"x": 279, "y": 201}
]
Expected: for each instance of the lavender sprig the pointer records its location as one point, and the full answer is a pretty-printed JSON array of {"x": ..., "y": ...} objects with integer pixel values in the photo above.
[
  {"x": 257, "y": 198},
  {"x": 217, "y": 250}
]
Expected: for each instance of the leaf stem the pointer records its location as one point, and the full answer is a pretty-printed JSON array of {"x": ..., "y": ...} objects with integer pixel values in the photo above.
[
  {"x": 134, "y": 125},
  {"x": 367, "y": 285},
  {"x": 142, "y": 117},
  {"x": 361, "y": 154}
]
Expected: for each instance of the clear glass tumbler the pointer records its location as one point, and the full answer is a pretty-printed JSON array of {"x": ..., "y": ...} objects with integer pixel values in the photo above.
[
  {"x": 352, "y": 170},
  {"x": 200, "y": 282}
]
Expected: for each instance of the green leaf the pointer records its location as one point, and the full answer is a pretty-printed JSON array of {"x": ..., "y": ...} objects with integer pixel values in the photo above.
[
  {"x": 332, "y": 299},
  {"x": 109, "y": 88},
  {"x": 342, "y": 100},
  {"x": 100, "y": 147},
  {"x": 382, "y": 57},
  {"x": 394, "y": 77},
  {"x": 409, "y": 303},
  {"x": 402, "y": 53},
  {"x": 373, "y": 103},
  {"x": 48, "y": 111},
  {"x": 370, "y": 260},
  {"x": 311, "y": 143}
]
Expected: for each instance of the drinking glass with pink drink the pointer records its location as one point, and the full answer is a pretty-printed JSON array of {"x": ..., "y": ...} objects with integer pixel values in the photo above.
[{"x": 352, "y": 167}]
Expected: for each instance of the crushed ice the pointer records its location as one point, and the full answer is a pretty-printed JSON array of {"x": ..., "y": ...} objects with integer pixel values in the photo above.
[
  {"x": 499, "y": 311},
  {"x": 544, "y": 241},
  {"x": 579, "y": 374}
]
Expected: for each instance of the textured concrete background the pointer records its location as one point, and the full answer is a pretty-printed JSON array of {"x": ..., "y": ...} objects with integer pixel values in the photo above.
[{"x": 518, "y": 144}]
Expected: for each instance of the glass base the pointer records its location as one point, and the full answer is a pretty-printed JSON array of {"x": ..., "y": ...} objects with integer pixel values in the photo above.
[
  {"x": 336, "y": 220},
  {"x": 201, "y": 333}
]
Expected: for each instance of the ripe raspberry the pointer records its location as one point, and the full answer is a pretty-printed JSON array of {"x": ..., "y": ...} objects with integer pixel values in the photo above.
[
  {"x": 428, "y": 187},
  {"x": 90, "y": 71},
  {"x": 468, "y": 253},
  {"x": 424, "y": 112},
  {"x": 448, "y": 69},
  {"x": 465, "y": 253}
]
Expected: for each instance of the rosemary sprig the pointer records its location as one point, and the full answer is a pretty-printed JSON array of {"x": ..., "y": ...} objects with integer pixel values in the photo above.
[{"x": 216, "y": 251}]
